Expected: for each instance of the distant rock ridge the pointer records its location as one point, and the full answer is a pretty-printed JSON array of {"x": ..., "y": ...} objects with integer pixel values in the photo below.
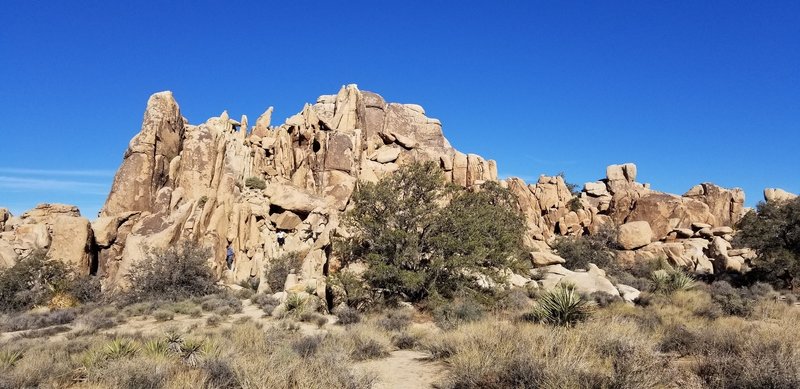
[{"x": 202, "y": 183}]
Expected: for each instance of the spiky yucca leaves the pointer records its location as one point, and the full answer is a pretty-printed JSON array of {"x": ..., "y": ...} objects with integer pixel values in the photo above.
[
  {"x": 669, "y": 280},
  {"x": 9, "y": 358},
  {"x": 120, "y": 348},
  {"x": 192, "y": 351},
  {"x": 296, "y": 304},
  {"x": 157, "y": 348},
  {"x": 174, "y": 341},
  {"x": 561, "y": 306}
]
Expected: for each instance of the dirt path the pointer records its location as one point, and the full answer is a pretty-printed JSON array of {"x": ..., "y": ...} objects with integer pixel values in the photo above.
[{"x": 404, "y": 369}]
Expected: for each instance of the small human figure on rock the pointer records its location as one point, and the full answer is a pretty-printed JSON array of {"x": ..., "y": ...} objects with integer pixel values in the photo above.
[
  {"x": 281, "y": 238},
  {"x": 229, "y": 257}
]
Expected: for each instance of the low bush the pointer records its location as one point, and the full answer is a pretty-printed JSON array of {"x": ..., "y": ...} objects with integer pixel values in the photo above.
[
  {"x": 449, "y": 315},
  {"x": 214, "y": 320},
  {"x": 266, "y": 302},
  {"x": 314, "y": 318},
  {"x": 223, "y": 303},
  {"x": 367, "y": 343},
  {"x": 35, "y": 320},
  {"x": 347, "y": 315},
  {"x": 276, "y": 271},
  {"x": 35, "y": 280},
  {"x": 255, "y": 183},
  {"x": 163, "y": 315},
  {"x": 405, "y": 340},
  {"x": 307, "y": 346},
  {"x": 396, "y": 320}
]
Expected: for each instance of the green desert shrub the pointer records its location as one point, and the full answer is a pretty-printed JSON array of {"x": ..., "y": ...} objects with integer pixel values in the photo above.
[
  {"x": 598, "y": 249},
  {"x": 773, "y": 230},
  {"x": 171, "y": 274},
  {"x": 669, "y": 280},
  {"x": 276, "y": 271},
  {"x": 255, "y": 183}
]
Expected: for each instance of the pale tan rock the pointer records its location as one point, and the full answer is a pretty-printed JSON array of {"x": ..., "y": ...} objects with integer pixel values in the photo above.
[
  {"x": 8, "y": 257},
  {"x": 263, "y": 122},
  {"x": 624, "y": 172},
  {"x": 286, "y": 220},
  {"x": 405, "y": 141},
  {"x": 72, "y": 242},
  {"x": 633, "y": 235},
  {"x": 777, "y": 195},
  {"x": 591, "y": 281},
  {"x": 147, "y": 158},
  {"x": 386, "y": 154},
  {"x": 292, "y": 199},
  {"x": 727, "y": 205},
  {"x": 541, "y": 258}
]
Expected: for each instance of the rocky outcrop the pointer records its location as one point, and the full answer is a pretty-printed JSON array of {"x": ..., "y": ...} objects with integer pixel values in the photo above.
[
  {"x": 222, "y": 184},
  {"x": 726, "y": 205},
  {"x": 199, "y": 182},
  {"x": 57, "y": 230}
]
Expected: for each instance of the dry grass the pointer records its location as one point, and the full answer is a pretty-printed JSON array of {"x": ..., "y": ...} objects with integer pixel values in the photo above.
[
  {"x": 673, "y": 342},
  {"x": 680, "y": 340}
]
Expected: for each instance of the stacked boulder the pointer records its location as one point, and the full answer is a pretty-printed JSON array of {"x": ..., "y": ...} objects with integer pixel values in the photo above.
[{"x": 56, "y": 230}]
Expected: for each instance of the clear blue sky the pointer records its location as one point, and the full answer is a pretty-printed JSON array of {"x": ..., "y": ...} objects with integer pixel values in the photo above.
[{"x": 690, "y": 91}]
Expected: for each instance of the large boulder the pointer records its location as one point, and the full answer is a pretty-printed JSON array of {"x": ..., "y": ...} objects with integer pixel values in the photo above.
[
  {"x": 777, "y": 195},
  {"x": 72, "y": 242},
  {"x": 588, "y": 282},
  {"x": 634, "y": 235}
]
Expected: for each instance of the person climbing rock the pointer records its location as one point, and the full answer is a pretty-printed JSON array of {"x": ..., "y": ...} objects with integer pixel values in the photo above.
[
  {"x": 281, "y": 238},
  {"x": 229, "y": 257}
]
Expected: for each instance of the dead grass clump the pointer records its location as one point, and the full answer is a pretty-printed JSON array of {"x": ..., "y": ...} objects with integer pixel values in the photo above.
[{"x": 36, "y": 320}]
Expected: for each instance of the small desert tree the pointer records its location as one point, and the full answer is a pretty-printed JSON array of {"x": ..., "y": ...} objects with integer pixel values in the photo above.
[
  {"x": 773, "y": 230},
  {"x": 416, "y": 243},
  {"x": 172, "y": 274},
  {"x": 33, "y": 280}
]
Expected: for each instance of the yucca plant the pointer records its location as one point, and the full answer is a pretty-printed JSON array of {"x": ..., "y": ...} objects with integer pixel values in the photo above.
[
  {"x": 561, "y": 306},
  {"x": 157, "y": 347},
  {"x": 174, "y": 342},
  {"x": 295, "y": 304},
  {"x": 119, "y": 348},
  {"x": 669, "y": 280},
  {"x": 9, "y": 358},
  {"x": 192, "y": 351}
]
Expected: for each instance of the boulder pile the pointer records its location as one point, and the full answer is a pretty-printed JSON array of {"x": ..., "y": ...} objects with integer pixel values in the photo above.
[{"x": 225, "y": 184}]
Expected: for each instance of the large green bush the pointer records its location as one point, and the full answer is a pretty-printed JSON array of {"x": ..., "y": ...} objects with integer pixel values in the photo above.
[
  {"x": 175, "y": 273},
  {"x": 421, "y": 238},
  {"x": 773, "y": 230},
  {"x": 598, "y": 249}
]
